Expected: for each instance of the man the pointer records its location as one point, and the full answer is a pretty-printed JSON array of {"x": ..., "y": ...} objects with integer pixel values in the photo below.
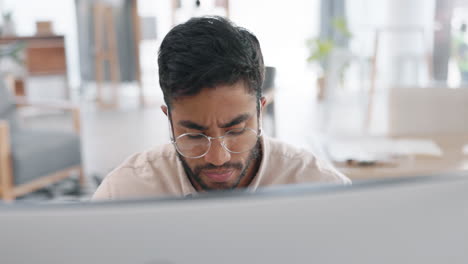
[{"x": 211, "y": 74}]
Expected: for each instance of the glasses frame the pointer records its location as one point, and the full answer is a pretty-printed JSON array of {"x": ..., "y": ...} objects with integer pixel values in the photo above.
[
  {"x": 223, "y": 144},
  {"x": 173, "y": 140}
]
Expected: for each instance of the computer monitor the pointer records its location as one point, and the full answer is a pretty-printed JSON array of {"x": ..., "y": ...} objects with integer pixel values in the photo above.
[{"x": 417, "y": 220}]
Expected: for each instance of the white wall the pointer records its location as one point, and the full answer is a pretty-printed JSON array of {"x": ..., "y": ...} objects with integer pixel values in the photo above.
[
  {"x": 282, "y": 29},
  {"x": 401, "y": 60},
  {"x": 365, "y": 16}
]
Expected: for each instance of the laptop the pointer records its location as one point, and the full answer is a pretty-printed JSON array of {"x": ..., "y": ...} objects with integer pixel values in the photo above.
[{"x": 411, "y": 220}]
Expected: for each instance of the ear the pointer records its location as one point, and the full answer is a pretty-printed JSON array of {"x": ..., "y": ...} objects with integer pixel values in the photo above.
[
  {"x": 164, "y": 109},
  {"x": 263, "y": 102}
]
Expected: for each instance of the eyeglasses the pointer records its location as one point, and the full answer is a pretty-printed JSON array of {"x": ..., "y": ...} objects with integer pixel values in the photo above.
[{"x": 197, "y": 145}]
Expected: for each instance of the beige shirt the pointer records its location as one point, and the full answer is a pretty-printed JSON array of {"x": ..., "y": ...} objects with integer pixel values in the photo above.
[{"x": 159, "y": 172}]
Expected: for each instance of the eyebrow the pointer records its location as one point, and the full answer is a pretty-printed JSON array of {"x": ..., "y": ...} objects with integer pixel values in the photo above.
[
  {"x": 237, "y": 120},
  {"x": 192, "y": 125}
]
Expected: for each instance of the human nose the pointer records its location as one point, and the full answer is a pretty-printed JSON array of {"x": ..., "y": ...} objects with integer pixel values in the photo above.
[{"x": 217, "y": 154}]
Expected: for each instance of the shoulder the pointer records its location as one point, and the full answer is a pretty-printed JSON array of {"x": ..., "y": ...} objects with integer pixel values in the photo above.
[
  {"x": 138, "y": 174},
  {"x": 295, "y": 165},
  {"x": 282, "y": 152},
  {"x": 144, "y": 164}
]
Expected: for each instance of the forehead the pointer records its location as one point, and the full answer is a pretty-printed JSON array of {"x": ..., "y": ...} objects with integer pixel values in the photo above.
[{"x": 221, "y": 102}]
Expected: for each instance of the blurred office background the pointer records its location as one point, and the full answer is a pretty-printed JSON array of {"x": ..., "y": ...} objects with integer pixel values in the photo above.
[{"x": 379, "y": 88}]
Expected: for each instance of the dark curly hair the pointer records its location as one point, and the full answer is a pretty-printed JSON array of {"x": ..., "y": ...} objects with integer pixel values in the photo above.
[{"x": 205, "y": 52}]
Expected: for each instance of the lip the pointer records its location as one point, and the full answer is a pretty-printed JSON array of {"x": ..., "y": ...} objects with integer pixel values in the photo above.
[{"x": 219, "y": 176}]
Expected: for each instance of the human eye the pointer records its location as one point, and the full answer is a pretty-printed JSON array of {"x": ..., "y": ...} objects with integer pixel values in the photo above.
[
  {"x": 236, "y": 132},
  {"x": 194, "y": 136}
]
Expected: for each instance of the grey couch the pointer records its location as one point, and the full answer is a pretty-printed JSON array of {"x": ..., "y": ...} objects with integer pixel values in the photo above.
[{"x": 33, "y": 159}]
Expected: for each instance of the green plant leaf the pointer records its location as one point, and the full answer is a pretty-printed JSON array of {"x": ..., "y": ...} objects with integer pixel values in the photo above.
[
  {"x": 319, "y": 49},
  {"x": 340, "y": 25}
]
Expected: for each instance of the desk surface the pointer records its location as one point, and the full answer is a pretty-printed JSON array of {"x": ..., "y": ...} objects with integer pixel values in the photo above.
[
  {"x": 453, "y": 160},
  {"x": 37, "y": 37}
]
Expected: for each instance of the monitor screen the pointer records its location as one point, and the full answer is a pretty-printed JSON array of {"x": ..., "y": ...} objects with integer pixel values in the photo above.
[{"x": 411, "y": 220}]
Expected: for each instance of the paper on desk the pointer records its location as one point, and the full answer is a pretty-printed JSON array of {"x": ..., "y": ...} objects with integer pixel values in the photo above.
[
  {"x": 422, "y": 147},
  {"x": 381, "y": 149}
]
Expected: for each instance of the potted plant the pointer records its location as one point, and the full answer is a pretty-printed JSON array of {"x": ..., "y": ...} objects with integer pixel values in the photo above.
[
  {"x": 12, "y": 63},
  {"x": 8, "y": 28},
  {"x": 321, "y": 50}
]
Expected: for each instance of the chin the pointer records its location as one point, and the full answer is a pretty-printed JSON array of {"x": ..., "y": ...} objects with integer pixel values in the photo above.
[{"x": 227, "y": 185}]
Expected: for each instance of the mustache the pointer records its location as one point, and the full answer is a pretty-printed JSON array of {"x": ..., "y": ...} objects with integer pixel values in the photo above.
[{"x": 228, "y": 165}]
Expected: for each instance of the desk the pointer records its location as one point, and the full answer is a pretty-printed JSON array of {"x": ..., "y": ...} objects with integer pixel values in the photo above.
[{"x": 453, "y": 160}]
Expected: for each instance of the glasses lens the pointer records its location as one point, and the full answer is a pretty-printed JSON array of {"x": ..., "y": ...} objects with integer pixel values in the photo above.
[
  {"x": 240, "y": 140},
  {"x": 192, "y": 145}
]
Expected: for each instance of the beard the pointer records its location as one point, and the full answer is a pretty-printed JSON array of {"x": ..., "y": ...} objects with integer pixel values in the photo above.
[{"x": 194, "y": 174}]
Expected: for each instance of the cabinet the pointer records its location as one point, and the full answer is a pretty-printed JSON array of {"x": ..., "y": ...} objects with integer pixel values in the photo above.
[{"x": 44, "y": 55}]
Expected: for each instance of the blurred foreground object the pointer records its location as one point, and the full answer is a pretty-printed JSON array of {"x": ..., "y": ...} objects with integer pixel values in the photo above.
[{"x": 419, "y": 220}]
